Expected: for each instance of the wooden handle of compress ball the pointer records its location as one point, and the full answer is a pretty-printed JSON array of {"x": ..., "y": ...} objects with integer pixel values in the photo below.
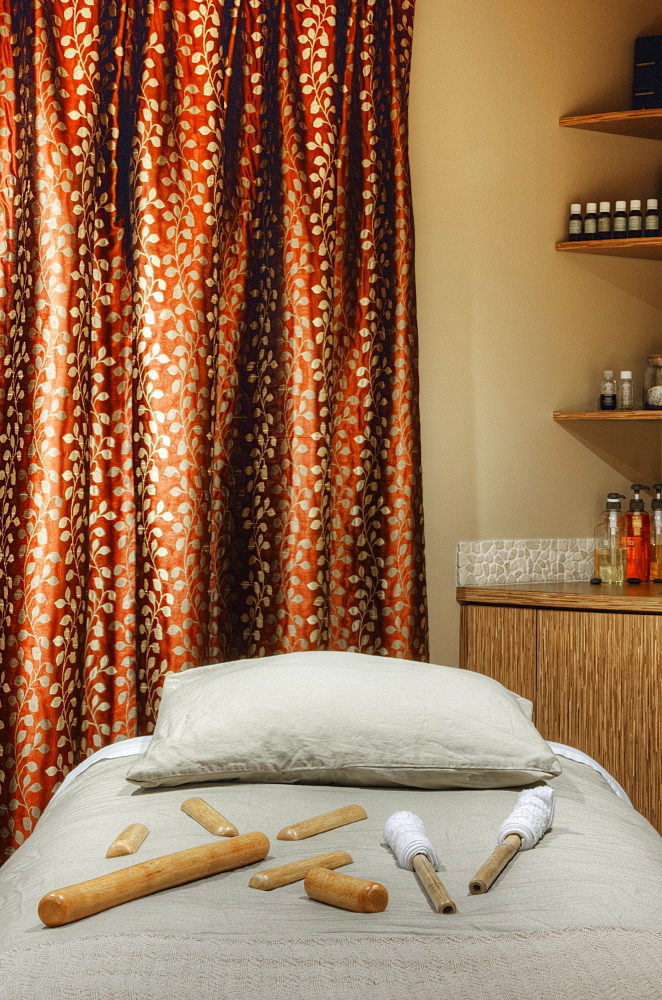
[
  {"x": 345, "y": 891},
  {"x": 433, "y": 885},
  {"x": 495, "y": 864},
  {"x": 273, "y": 878},
  {"x": 206, "y": 816},
  {"x": 85, "y": 898},
  {"x": 321, "y": 824}
]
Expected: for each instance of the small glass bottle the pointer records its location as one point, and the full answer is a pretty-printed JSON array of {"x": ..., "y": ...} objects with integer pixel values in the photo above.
[
  {"x": 608, "y": 391},
  {"x": 604, "y": 221},
  {"x": 591, "y": 221},
  {"x": 653, "y": 383},
  {"x": 625, "y": 392},
  {"x": 620, "y": 225},
  {"x": 652, "y": 218},
  {"x": 634, "y": 219},
  {"x": 575, "y": 222}
]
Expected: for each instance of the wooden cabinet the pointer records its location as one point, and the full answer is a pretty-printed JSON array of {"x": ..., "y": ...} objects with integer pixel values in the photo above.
[{"x": 590, "y": 659}]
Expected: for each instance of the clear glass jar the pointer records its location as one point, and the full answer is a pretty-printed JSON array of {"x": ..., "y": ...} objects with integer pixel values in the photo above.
[{"x": 653, "y": 383}]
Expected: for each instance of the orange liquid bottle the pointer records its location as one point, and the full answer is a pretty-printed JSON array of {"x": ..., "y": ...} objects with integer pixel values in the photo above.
[{"x": 638, "y": 537}]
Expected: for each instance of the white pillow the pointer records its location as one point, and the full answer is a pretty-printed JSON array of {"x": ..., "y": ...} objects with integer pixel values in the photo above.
[{"x": 342, "y": 718}]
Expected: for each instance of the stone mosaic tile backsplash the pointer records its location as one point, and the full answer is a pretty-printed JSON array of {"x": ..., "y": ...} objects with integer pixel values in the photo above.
[{"x": 524, "y": 560}]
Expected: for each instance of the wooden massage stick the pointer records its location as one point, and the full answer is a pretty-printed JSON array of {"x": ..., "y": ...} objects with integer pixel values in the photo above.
[
  {"x": 206, "y": 816},
  {"x": 128, "y": 841},
  {"x": 528, "y": 822},
  {"x": 321, "y": 824},
  {"x": 85, "y": 898},
  {"x": 345, "y": 891},
  {"x": 405, "y": 835},
  {"x": 273, "y": 878}
]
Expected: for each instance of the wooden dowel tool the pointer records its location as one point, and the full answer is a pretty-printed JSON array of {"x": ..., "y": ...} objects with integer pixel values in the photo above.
[
  {"x": 521, "y": 830},
  {"x": 273, "y": 878},
  {"x": 128, "y": 841},
  {"x": 434, "y": 887},
  {"x": 345, "y": 891},
  {"x": 321, "y": 824},
  {"x": 206, "y": 816},
  {"x": 405, "y": 835},
  {"x": 85, "y": 898},
  {"x": 495, "y": 864}
]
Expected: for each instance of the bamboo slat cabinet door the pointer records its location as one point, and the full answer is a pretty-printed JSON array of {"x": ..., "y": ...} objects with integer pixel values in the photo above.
[
  {"x": 599, "y": 689},
  {"x": 500, "y": 642}
]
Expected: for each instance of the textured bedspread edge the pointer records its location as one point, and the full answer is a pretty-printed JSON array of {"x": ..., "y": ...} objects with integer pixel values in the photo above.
[{"x": 575, "y": 964}]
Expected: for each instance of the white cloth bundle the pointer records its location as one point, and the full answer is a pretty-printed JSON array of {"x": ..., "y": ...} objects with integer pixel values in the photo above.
[
  {"x": 531, "y": 818},
  {"x": 405, "y": 835}
]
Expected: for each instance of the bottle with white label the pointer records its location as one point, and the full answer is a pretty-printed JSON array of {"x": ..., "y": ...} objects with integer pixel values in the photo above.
[
  {"x": 620, "y": 225},
  {"x": 634, "y": 219},
  {"x": 625, "y": 392},
  {"x": 652, "y": 218},
  {"x": 591, "y": 221},
  {"x": 608, "y": 391},
  {"x": 604, "y": 221},
  {"x": 575, "y": 222}
]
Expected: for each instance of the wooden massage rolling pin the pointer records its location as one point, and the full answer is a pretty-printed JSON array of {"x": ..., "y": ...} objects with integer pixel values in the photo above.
[
  {"x": 405, "y": 835},
  {"x": 345, "y": 891},
  {"x": 85, "y": 898},
  {"x": 321, "y": 824},
  {"x": 528, "y": 822},
  {"x": 273, "y": 878}
]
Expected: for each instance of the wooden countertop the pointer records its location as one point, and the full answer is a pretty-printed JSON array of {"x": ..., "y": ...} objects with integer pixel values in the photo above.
[{"x": 643, "y": 597}]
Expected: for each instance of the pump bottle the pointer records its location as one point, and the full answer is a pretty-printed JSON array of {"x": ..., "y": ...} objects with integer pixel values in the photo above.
[
  {"x": 610, "y": 548},
  {"x": 637, "y": 530},
  {"x": 656, "y": 535}
]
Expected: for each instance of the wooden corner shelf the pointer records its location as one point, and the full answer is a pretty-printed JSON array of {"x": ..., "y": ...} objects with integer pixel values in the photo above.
[
  {"x": 645, "y": 124},
  {"x": 563, "y": 415},
  {"x": 643, "y": 247}
]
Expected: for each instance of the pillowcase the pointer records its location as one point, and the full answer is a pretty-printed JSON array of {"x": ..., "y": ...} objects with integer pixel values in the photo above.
[{"x": 342, "y": 718}]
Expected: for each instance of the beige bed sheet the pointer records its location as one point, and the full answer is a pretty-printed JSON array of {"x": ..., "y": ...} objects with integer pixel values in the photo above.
[{"x": 599, "y": 868}]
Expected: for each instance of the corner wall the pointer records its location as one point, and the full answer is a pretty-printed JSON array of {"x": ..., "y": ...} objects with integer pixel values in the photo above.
[{"x": 510, "y": 329}]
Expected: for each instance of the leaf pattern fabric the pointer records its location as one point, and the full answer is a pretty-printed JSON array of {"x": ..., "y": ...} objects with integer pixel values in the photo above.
[{"x": 210, "y": 428}]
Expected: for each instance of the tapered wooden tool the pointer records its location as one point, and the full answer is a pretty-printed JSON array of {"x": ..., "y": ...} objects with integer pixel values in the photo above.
[
  {"x": 206, "y": 816},
  {"x": 128, "y": 841},
  {"x": 85, "y": 898},
  {"x": 495, "y": 864},
  {"x": 273, "y": 878},
  {"x": 434, "y": 887},
  {"x": 320, "y": 824},
  {"x": 346, "y": 891}
]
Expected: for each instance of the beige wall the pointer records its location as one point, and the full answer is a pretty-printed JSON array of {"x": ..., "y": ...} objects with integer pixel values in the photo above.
[{"x": 511, "y": 330}]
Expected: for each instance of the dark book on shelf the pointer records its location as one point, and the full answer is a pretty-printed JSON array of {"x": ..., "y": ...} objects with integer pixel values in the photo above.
[{"x": 647, "y": 75}]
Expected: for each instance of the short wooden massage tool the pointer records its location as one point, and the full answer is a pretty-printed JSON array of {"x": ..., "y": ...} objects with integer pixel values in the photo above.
[
  {"x": 405, "y": 835},
  {"x": 527, "y": 824},
  {"x": 321, "y": 824},
  {"x": 345, "y": 891},
  {"x": 85, "y": 898},
  {"x": 206, "y": 816}
]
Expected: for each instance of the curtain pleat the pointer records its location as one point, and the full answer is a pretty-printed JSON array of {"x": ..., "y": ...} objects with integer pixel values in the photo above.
[{"x": 209, "y": 429}]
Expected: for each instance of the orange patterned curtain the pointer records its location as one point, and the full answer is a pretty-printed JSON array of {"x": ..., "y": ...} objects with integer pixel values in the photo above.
[{"x": 209, "y": 437}]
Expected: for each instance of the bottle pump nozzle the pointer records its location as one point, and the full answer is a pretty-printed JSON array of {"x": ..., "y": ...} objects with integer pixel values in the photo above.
[
  {"x": 614, "y": 501},
  {"x": 656, "y": 504},
  {"x": 637, "y": 503}
]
